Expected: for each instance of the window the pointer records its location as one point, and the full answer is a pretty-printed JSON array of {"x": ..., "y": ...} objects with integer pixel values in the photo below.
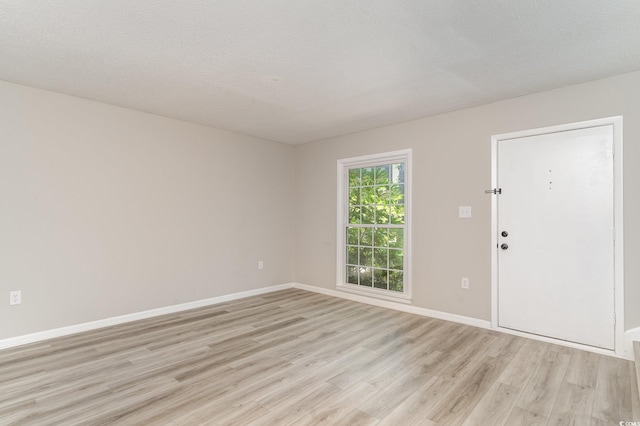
[{"x": 373, "y": 225}]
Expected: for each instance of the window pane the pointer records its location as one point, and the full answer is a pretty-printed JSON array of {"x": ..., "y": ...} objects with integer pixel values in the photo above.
[
  {"x": 395, "y": 281},
  {"x": 395, "y": 259},
  {"x": 396, "y": 237},
  {"x": 380, "y": 257},
  {"x": 367, "y": 176},
  {"x": 368, "y": 215},
  {"x": 352, "y": 255},
  {"x": 396, "y": 194},
  {"x": 366, "y": 256},
  {"x": 380, "y": 237},
  {"x": 382, "y": 195},
  {"x": 382, "y": 175},
  {"x": 380, "y": 279},
  {"x": 352, "y": 236},
  {"x": 365, "y": 276},
  {"x": 366, "y": 236},
  {"x": 382, "y": 214},
  {"x": 397, "y": 215},
  {"x": 368, "y": 195},
  {"x": 352, "y": 274},
  {"x": 354, "y": 196},
  {"x": 354, "y": 215},
  {"x": 354, "y": 177},
  {"x": 397, "y": 173}
]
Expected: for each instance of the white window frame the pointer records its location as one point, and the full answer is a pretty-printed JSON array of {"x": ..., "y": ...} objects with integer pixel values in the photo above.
[{"x": 343, "y": 217}]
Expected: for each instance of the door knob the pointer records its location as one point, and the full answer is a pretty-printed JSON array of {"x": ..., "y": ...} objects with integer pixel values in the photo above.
[
  {"x": 504, "y": 246},
  {"x": 504, "y": 234}
]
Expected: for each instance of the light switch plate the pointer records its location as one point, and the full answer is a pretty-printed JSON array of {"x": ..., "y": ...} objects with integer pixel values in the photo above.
[{"x": 464, "y": 212}]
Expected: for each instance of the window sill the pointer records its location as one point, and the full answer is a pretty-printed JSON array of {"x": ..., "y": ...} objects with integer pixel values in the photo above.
[{"x": 374, "y": 293}]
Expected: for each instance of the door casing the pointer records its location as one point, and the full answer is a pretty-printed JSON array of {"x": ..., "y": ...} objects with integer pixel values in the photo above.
[{"x": 616, "y": 122}]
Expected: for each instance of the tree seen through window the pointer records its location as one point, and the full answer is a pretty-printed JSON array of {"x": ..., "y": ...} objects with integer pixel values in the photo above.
[{"x": 375, "y": 229}]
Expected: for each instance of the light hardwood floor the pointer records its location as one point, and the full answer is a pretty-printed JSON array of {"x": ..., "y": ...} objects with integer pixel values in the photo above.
[{"x": 295, "y": 357}]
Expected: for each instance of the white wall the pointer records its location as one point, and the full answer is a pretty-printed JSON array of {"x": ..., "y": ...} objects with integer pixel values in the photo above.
[
  {"x": 452, "y": 167},
  {"x": 108, "y": 211}
]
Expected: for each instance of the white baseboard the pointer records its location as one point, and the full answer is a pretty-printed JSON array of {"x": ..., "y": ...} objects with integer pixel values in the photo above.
[
  {"x": 93, "y": 325},
  {"x": 397, "y": 306},
  {"x": 629, "y": 337}
]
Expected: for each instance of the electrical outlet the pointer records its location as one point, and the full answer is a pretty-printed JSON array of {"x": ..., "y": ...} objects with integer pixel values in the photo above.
[
  {"x": 260, "y": 265},
  {"x": 15, "y": 297},
  {"x": 465, "y": 283}
]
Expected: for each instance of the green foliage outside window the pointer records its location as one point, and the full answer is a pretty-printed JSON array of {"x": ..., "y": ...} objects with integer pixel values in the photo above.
[{"x": 375, "y": 233}]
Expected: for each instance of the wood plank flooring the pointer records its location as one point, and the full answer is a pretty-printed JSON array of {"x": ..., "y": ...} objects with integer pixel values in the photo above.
[{"x": 300, "y": 358}]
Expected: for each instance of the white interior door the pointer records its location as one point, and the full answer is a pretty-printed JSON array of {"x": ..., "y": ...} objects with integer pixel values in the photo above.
[{"x": 556, "y": 235}]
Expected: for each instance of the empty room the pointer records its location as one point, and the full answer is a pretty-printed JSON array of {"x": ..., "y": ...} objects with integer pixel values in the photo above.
[{"x": 329, "y": 212}]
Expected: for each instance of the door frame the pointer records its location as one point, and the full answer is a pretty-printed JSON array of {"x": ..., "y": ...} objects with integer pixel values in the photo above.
[{"x": 616, "y": 122}]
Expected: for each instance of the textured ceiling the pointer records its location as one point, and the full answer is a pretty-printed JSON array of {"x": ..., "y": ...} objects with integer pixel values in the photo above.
[{"x": 300, "y": 70}]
